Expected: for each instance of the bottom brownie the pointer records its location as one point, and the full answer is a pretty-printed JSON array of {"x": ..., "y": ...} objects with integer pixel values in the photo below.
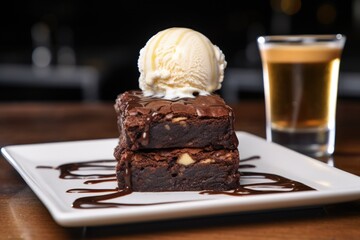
[{"x": 184, "y": 169}]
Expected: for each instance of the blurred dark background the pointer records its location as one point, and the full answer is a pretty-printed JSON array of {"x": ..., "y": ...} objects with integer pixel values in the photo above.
[{"x": 88, "y": 50}]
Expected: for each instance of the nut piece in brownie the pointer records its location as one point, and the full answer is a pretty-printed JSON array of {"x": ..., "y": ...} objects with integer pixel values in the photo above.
[
  {"x": 182, "y": 169},
  {"x": 153, "y": 123}
]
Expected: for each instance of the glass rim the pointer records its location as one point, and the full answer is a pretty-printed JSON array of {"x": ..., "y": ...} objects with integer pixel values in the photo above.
[{"x": 301, "y": 39}]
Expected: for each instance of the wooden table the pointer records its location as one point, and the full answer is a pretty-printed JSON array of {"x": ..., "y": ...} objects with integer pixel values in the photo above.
[{"x": 23, "y": 216}]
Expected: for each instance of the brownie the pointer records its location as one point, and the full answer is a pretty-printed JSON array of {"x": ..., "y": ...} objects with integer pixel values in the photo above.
[
  {"x": 154, "y": 123},
  {"x": 182, "y": 169}
]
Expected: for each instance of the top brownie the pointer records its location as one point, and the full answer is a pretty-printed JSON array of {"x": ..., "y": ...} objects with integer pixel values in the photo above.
[{"x": 154, "y": 123}]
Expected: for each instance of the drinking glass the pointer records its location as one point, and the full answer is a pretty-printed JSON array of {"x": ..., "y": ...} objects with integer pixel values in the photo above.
[{"x": 300, "y": 74}]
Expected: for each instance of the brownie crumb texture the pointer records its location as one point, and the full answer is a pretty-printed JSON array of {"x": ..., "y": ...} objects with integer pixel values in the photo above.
[{"x": 187, "y": 144}]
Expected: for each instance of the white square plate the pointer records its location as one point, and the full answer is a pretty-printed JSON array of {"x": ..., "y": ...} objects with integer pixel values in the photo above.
[{"x": 332, "y": 185}]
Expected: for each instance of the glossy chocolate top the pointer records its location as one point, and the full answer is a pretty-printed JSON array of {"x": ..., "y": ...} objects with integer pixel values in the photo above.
[{"x": 202, "y": 106}]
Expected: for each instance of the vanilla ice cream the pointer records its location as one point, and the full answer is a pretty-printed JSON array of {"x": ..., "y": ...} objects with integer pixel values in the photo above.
[{"x": 180, "y": 62}]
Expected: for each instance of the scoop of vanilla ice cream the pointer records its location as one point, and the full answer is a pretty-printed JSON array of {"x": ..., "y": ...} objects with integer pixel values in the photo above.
[{"x": 180, "y": 62}]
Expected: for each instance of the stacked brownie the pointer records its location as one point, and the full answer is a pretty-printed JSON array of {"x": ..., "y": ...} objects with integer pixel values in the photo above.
[{"x": 187, "y": 144}]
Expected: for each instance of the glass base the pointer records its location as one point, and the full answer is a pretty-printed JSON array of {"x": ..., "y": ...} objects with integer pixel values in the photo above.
[{"x": 314, "y": 142}]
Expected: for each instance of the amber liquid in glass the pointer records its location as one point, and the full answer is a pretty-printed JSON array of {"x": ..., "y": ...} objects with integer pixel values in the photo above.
[{"x": 301, "y": 98}]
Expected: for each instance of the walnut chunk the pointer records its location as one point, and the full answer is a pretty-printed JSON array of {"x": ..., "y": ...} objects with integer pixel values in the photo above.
[
  {"x": 185, "y": 159},
  {"x": 178, "y": 119},
  {"x": 208, "y": 160}
]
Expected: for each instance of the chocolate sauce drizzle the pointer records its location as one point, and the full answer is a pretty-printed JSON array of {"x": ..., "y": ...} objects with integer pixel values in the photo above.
[
  {"x": 266, "y": 183},
  {"x": 277, "y": 184},
  {"x": 67, "y": 170}
]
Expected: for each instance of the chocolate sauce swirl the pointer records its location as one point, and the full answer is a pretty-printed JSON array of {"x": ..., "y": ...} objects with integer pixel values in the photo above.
[
  {"x": 67, "y": 170},
  {"x": 266, "y": 183},
  {"x": 277, "y": 184}
]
